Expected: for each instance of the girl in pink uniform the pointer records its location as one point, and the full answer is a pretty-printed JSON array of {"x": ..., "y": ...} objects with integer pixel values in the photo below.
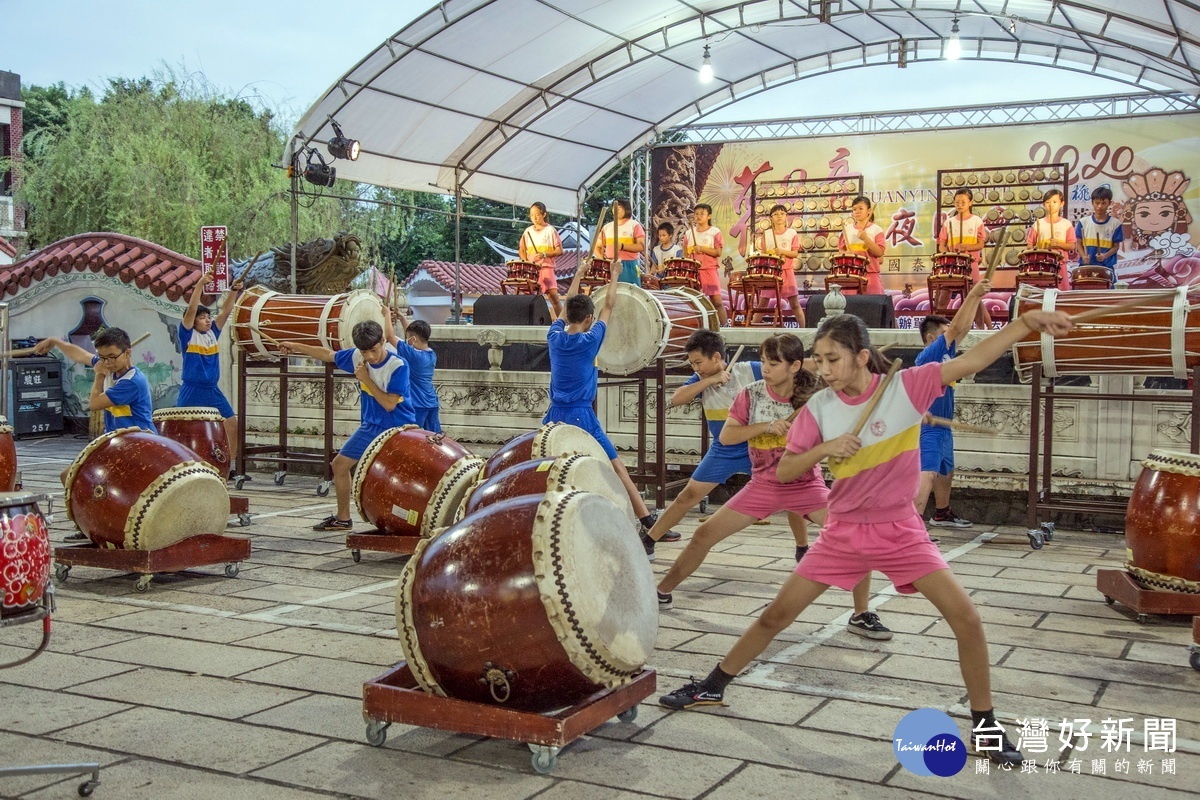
[{"x": 872, "y": 523}]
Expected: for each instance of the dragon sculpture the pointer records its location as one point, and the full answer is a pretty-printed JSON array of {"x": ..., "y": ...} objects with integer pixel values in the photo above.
[{"x": 323, "y": 266}]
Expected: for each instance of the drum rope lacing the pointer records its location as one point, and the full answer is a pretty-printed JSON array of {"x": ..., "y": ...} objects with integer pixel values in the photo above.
[
  {"x": 133, "y": 528},
  {"x": 452, "y": 480},
  {"x": 411, "y": 644},
  {"x": 1181, "y": 465},
  {"x": 1159, "y": 581}
]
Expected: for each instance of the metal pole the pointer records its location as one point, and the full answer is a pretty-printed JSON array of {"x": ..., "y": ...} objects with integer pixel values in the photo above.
[
  {"x": 5, "y": 344},
  {"x": 295, "y": 179},
  {"x": 456, "y": 301}
]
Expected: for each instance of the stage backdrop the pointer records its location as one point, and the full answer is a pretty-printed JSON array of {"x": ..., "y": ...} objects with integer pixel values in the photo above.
[{"x": 1148, "y": 162}]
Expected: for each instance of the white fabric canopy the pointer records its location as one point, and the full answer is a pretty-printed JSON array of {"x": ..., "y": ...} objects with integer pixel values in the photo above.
[{"x": 530, "y": 100}]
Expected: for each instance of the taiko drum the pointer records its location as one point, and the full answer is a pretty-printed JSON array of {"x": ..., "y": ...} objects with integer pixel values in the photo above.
[
  {"x": 951, "y": 265},
  {"x": 551, "y": 440},
  {"x": 561, "y": 474},
  {"x": 24, "y": 554},
  {"x": 318, "y": 320},
  {"x": 764, "y": 265},
  {"x": 199, "y": 428},
  {"x": 648, "y": 325},
  {"x": 1162, "y": 525}
]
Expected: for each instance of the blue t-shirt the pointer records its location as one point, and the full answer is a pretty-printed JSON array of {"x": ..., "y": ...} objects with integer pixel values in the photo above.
[
  {"x": 937, "y": 352},
  {"x": 1096, "y": 237},
  {"x": 131, "y": 406},
  {"x": 390, "y": 375},
  {"x": 573, "y": 371},
  {"x": 421, "y": 364},
  {"x": 201, "y": 364}
]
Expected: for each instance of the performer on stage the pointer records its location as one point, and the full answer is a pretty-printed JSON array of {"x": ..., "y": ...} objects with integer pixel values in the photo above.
[
  {"x": 872, "y": 524},
  {"x": 866, "y": 238},
  {"x": 666, "y": 248},
  {"x": 703, "y": 242},
  {"x": 631, "y": 238},
  {"x": 780, "y": 240},
  {"x": 964, "y": 232},
  {"x": 198, "y": 335},
  {"x": 1099, "y": 236},
  {"x": 540, "y": 245},
  {"x": 1054, "y": 233}
]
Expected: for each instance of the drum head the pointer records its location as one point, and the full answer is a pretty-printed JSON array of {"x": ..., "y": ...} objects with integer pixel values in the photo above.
[
  {"x": 188, "y": 500},
  {"x": 596, "y": 585},
  {"x": 203, "y": 413},
  {"x": 562, "y": 439},
  {"x": 450, "y": 493},
  {"x": 637, "y": 330},
  {"x": 590, "y": 474},
  {"x": 1173, "y": 461},
  {"x": 361, "y": 305}
]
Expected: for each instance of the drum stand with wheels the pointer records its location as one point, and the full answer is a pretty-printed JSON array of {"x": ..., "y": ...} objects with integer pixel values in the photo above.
[
  {"x": 395, "y": 696},
  {"x": 380, "y": 543},
  {"x": 195, "y": 551},
  {"x": 1194, "y": 660}
]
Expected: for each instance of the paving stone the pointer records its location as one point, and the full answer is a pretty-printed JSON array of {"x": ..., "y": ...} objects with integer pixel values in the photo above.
[
  {"x": 188, "y": 626},
  {"x": 27, "y": 710},
  {"x": 56, "y": 670},
  {"x": 1040, "y": 640},
  {"x": 773, "y": 783},
  {"x": 324, "y": 675},
  {"x": 188, "y": 656},
  {"x": 1034, "y": 683},
  {"x": 21, "y": 750},
  {"x": 188, "y": 692},
  {"x": 329, "y": 644}
]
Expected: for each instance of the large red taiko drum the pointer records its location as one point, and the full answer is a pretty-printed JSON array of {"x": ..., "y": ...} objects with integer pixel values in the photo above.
[
  {"x": 24, "y": 554},
  {"x": 534, "y": 604},
  {"x": 410, "y": 482},
  {"x": 1162, "y": 525},
  {"x": 8, "y": 457},
  {"x": 564, "y": 473},
  {"x": 199, "y": 428},
  {"x": 551, "y": 440},
  {"x": 134, "y": 490}
]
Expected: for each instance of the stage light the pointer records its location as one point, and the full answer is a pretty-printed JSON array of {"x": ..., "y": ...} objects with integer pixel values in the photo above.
[
  {"x": 953, "y": 45},
  {"x": 318, "y": 173},
  {"x": 341, "y": 146},
  {"x": 706, "y": 70}
]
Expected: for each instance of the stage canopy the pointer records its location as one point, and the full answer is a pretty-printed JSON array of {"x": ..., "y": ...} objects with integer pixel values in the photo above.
[{"x": 524, "y": 100}]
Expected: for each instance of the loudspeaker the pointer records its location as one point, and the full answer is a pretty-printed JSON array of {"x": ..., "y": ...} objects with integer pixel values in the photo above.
[
  {"x": 874, "y": 309},
  {"x": 512, "y": 309}
]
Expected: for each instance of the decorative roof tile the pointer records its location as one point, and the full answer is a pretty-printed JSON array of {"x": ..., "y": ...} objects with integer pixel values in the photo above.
[{"x": 484, "y": 278}]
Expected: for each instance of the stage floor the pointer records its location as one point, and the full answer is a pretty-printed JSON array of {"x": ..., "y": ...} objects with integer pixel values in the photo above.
[{"x": 251, "y": 687}]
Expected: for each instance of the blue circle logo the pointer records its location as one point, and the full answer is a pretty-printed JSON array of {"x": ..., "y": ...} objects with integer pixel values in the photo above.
[{"x": 926, "y": 743}]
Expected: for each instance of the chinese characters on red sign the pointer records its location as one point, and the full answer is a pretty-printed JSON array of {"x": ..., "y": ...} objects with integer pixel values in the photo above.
[{"x": 214, "y": 255}]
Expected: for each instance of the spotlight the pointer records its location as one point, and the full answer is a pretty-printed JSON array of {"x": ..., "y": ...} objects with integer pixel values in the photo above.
[
  {"x": 706, "y": 70},
  {"x": 953, "y": 45},
  {"x": 320, "y": 173},
  {"x": 342, "y": 147}
]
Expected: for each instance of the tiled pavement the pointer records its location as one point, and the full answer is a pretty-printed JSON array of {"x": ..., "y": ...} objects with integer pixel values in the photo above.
[{"x": 211, "y": 687}]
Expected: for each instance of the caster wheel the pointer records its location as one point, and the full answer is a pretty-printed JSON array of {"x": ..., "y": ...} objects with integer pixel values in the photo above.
[
  {"x": 239, "y": 482},
  {"x": 704, "y": 506},
  {"x": 323, "y": 488},
  {"x": 61, "y": 571},
  {"x": 628, "y": 715},
  {"x": 1048, "y": 531},
  {"x": 232, "y": 570},
  {"x": 1036, "y": 540},
  {"x": 86, "y": 788},
  {"x": 356, "y": 556},
  {"x": 279, "y": 476},
  {"x": 376, "y": 733},
  {"x": 143, "y": 583},
  {"x": 1142, "y": 619},
  {"x": 1109, "y": 600},
  {"x": 544, "y": 759},
  {"x": 1195, "y": 659},
  {"x": 244, "y": 520}
]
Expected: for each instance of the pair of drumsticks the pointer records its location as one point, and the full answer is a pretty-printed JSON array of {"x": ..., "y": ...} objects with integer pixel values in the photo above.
[{"x": 20, "y": 352}]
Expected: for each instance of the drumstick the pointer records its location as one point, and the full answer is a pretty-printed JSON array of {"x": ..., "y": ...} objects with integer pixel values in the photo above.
[
  {"x": 737, "y": 355},
  {"x": 1128, "y": 305},
  {"x": 266, "y": 335},
  {"x": 529, "y": 239},
  {"x": 886, "y": 347},
  {"x": 599, "y": 231},
  {"x": 21, "y": 352},
  {"x": 257, "y": 256},
  {"x": 140, "y": 339},
  {"x": 965, "y": 427}
]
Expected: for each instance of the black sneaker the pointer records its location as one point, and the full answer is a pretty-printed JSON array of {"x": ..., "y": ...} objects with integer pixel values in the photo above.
[
  {"x": 332, "y": 523},
  {"x": 671, "y": 537},
  {"x": 665, "y": 601},
  {"x": 946, "y": 519},
  {"x": 800, "y": 551},
  {"x": 647, "y": 543},
  {"x": 693, "y": 694},
  {"x": 993, "y": 744},
  {"x": 867, "y": 624},
  {"x": 77, "y": 536}
]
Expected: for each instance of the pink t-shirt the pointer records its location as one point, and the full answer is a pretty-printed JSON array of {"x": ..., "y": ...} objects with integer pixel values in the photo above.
[
  {"x": 964, "y": 231},
  {"x": 628, "y": 232},
  {"x": 770, "y": 241},
  {"x": 879, "y": 482},
  {"x": 709, "y": 237},
  {"x": 544, "y": 241},
  {"x": 851, "y": 240},
  {"x": 755, "y": 405}
]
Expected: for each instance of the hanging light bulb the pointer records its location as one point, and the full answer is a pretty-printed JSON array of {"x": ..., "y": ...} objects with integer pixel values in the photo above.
[
  {"x": 953, "y": 45},
  {"x": 706, "y": 70}
]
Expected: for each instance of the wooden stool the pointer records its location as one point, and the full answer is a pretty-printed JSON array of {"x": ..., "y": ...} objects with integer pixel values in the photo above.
[
  {"x": 756, "y": 290},
  {"x": 849, "y": 283},
  {"x": 949, "y": 287},
  {"x": 519, "y": 286},
  {"x": 737, "y": 299}
]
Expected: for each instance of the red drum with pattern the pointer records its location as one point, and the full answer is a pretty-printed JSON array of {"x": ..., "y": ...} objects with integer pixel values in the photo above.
[
  {"x": 849, "y": 265},
  {"x": 133, "y": 490},
  {"x": 648, "y": 325},
  {"x": 521, "y": 270},
  {"x": 764, "y": 266},
  {"x": 532, "y": 604},
  {"x": 200, "y": 428},
  {"x": 24, "y": 554},
  {"x": 8, "y": 457},
  {"x": 317, "y": 320},
  {"x": 681, "y": 272},
  {"x": 564, "y": 473},
  {"x": 1038, "y": 268},
  {"x": 1162, "y": 525},
  {"x": 1091, "y": 277},
  {"x": 549, "y": 441},
  {"x": 599, "y": 271},
  {"x": 951, "y": 265},
  {"x": 410, "y": 481}
]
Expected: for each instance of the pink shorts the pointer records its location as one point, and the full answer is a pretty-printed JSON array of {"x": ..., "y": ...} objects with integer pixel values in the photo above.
[
  {"x": 845, "y": 552},
  {"x": 546, "y": 279},
  {"x": 760, "y": 499},
  {"x": 710, "y": 281},
  {"x": 790, "y": 289}
]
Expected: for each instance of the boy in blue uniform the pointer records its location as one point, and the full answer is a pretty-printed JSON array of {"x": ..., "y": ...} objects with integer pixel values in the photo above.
[
  {"x": 120, "y": 388},
  {"x": 198, "y": 335},
  {"x": 574, "y": 340},
  {"x": 1099, "y": 236},
  {"x": 941, "y": 338},
  {"x": 422, "y": 361},
  {"x": 384, "y": 403}
]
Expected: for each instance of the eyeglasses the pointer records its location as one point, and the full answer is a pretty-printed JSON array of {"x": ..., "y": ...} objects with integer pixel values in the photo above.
[{"x": 112, "y": 358}]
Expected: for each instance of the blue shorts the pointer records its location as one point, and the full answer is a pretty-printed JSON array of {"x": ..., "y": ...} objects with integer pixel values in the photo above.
[
  {"x": 427, "y": 419},
  {"x": 208, "y": 396},
  {"x": 721, "y": 462},
  {"x": 357, "y": 444},
  {"x": 629, "y": 273},
  {"x": 582, "y": 417},
  {"x": 937, "y": 449}
]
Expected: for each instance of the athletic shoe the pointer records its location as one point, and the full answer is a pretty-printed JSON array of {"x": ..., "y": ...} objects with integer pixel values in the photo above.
[
  {"x": 77, "y": 536},
  {"x": 947, "y": 519},
  {"x": 670, "y": 536},
  {"x": 800, "y": 551},
  {"x": 647, "y": 543},
  {"x": 1004, "y": 753},
  {"x": 332, "y": 523},
  {"x": 666, "y": 601},
  {"x": 867, "y": 624},
  {"x": 692, "y": 694}
]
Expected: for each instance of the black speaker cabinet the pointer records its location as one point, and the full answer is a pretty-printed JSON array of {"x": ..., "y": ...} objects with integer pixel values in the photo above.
[
  {"x": 874, "y": 309},
  {"x": 512, "y": 309}
]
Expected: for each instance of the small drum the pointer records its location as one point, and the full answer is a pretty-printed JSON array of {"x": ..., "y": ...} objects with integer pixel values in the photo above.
[
  {"x": 200, "y": 428},
  {"x": 599, "y": 271},
  {"x": 318, "y": 320},
  {"x": 531, "y": 604},
  {"x": 562, "y": 474},
  {"x": 650, "y": 282},
  {"x": 682, "y": 272},
  {"x": 410, "y": 481},
  {"x": 549, "y": 441},
  {"x": 1159, "y": 337},
  {"x": 133, "y": 490},
  {"x": 8, "y": 457},
  {"x": 764, "y": 266},
  {"x": 1091, "y": 277},
  {"x": 951, "y": 265},
  {"x": 521, "y": 270},
  {"x": 1162, "y": 527},
  {"x": 24, "y": 554},
  {"x": 1038, "y": 268},
  {"x": 848, "y": 265},
  {"x": 648, "y": 325}
]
